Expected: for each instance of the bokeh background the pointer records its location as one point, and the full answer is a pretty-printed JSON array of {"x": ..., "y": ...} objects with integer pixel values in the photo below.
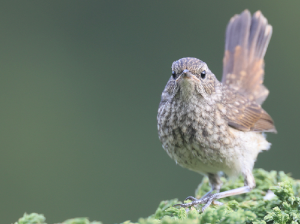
[{"x": 80, "y": 83}]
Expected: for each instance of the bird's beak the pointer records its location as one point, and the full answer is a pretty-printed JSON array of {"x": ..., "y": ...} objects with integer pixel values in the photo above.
[{"x": 186, "y": 74}]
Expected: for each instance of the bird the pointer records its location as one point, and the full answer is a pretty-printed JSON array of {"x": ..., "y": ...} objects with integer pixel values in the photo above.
[{"x": 213, "y": 127}]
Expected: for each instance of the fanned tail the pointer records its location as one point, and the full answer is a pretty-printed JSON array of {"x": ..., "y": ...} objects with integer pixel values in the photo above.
[{"x": 246, "y": 43}]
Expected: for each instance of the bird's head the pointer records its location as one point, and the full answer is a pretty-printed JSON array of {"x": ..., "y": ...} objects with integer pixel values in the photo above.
[{"x": 192, "y": 76}]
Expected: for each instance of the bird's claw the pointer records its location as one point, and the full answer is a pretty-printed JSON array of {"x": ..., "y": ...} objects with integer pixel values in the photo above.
[
  {"x": 207, "y": 200},
  {"x": 184, "y": 205},
  {"x": 191, "y": 198},
  {"x": 217, "y": 202}
]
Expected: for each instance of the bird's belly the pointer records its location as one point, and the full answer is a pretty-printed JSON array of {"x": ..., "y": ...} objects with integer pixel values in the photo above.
[
  {"x": 203, "y": 142},
  {"x": 201, "y": 159}
]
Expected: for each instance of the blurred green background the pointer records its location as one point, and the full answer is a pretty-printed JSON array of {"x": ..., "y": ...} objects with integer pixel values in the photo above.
[{"x": 80, "y": 84}]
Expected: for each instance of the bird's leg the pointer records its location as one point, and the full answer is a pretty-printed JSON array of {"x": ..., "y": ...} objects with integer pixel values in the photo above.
[
  {"x": 209, "y": 198},
  {"x": 249, "y": 178},
  {"x": 215, "y": 184}
]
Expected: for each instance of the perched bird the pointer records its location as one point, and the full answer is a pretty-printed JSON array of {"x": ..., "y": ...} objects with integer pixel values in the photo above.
[{"x": 209, "y": 126}]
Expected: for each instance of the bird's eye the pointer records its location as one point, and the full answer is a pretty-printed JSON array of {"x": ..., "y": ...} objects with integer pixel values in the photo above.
[
  {"x": 174, "y": 75},
  {"x": 203, "y": 74}
]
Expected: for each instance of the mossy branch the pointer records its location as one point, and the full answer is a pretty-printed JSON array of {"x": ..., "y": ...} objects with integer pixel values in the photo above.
[{"x": 253, "y": 207}]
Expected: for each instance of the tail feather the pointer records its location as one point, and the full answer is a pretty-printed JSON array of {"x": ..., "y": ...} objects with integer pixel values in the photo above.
[{"x": 246, "y": 43}]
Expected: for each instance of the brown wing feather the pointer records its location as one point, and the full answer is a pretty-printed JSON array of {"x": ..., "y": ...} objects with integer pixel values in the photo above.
[
  {"x": 244, "y": 114},
  {"x": 243, "y": 65}
]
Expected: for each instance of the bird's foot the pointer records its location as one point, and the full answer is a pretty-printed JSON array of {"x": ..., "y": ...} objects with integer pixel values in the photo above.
[{"x": 206, "y": 199}]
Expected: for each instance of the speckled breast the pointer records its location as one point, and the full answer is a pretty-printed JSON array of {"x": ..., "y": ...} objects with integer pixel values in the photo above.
[{"x": 192, "y": 134}]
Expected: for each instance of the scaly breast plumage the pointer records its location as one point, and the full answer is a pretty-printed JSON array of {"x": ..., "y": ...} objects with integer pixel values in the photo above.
[{"x": 192, "y": 133}]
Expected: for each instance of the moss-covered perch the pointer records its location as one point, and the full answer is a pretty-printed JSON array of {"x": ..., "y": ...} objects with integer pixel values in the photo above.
[{"x": 246, "y": 208}]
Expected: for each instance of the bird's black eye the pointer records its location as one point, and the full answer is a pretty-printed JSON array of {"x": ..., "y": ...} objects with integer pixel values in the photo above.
[
  {"x": 203, "y": 74},
  {"x": 174, "y": 75}
]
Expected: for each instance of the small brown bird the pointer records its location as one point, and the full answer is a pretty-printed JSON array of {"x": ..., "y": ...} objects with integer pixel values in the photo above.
[{"x": 209, "y": 126}]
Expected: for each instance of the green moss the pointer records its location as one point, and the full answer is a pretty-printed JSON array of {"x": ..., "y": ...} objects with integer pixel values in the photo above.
[
  {"x": 245, "y": 208},
  {"x": 34, "y": 218}
]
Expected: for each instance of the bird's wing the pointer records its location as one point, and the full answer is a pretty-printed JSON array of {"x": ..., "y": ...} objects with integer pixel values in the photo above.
[
  {"x": 246, "y": 43},
  {"x": 245, "y": 115}
]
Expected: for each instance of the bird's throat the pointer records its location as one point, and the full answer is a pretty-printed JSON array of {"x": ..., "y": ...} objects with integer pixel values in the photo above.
[{"x": 187, "y": 89}]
